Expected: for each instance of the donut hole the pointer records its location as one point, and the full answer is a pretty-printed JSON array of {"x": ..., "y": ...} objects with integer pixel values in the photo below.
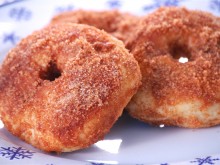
[
  {"x": 51, "y": 73},
  {"x": 180, "y": 52}
]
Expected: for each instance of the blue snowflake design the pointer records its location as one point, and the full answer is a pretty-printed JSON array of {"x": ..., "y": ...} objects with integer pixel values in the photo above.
[
  {"x": 10, "y": 38},
  {"x": 114, "y": 4},
  {"x": 207, "y": 160},
  {"x": 215, "y": 5},
  {"x": 15, "y": 153},
  {"x": 61, "y": 9},
  {"x": 160, "y": 3},
  {"x": 19, "y": 14}
]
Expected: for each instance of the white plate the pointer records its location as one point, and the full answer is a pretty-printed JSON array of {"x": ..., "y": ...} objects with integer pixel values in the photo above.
[{"x": 129, "y": 141}]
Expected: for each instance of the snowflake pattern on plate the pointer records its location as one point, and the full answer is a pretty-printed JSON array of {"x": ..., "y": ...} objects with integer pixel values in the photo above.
[
  {"x": 60, "y": 9},
  {"x": 113, "y": 4},
  {"x": 15, "y": 153},
  {"x": 11, "y": 38},
  {"x": 206, "y": 160},
  {"x": 160, "y": 3},
  {"x": 215, "y": 5},
  {"x": 20, "y": 13}
]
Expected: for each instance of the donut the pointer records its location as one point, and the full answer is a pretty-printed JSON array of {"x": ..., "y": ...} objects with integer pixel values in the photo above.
[
  {"x": 63, "y": 87},
  {"x": 174, "y": 93},
  {"x": 119, "y": 24}
]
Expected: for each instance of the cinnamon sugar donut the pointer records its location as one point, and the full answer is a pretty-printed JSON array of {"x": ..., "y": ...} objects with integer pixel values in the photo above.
[
  {"x": 63, "y": 87},
  {"x": 120, "y": 25},
  {"x": 175, "y": 93}
]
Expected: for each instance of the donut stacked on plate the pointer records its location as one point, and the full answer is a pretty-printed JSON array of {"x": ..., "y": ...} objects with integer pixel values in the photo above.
[
  {"x": 175, "y": 93},
  {"x": 63, "y": 87},
  {"x": 120, "y": 25}
]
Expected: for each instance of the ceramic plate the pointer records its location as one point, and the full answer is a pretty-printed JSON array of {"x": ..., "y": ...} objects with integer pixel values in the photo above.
[{"x": 129, "y": 141}]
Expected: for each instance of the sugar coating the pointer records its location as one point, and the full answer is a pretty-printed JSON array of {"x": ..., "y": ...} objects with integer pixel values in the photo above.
[
  {"x": 119, "y": 24},
  {"x": 168, "y": 85},
  {"x": 63, "y": 87}
]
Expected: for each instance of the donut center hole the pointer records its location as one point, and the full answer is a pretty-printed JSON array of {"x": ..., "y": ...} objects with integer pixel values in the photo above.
[
  {"x": 180, "y": 53},
  {"x": 51, "y": 73}
]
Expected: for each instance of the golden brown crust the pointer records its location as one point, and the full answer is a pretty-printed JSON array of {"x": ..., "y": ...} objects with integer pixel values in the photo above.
[
  {"x": 63, "y": 87},
  {"x": 120, "y": 25},
  {"x": 174, "y": 93}
]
